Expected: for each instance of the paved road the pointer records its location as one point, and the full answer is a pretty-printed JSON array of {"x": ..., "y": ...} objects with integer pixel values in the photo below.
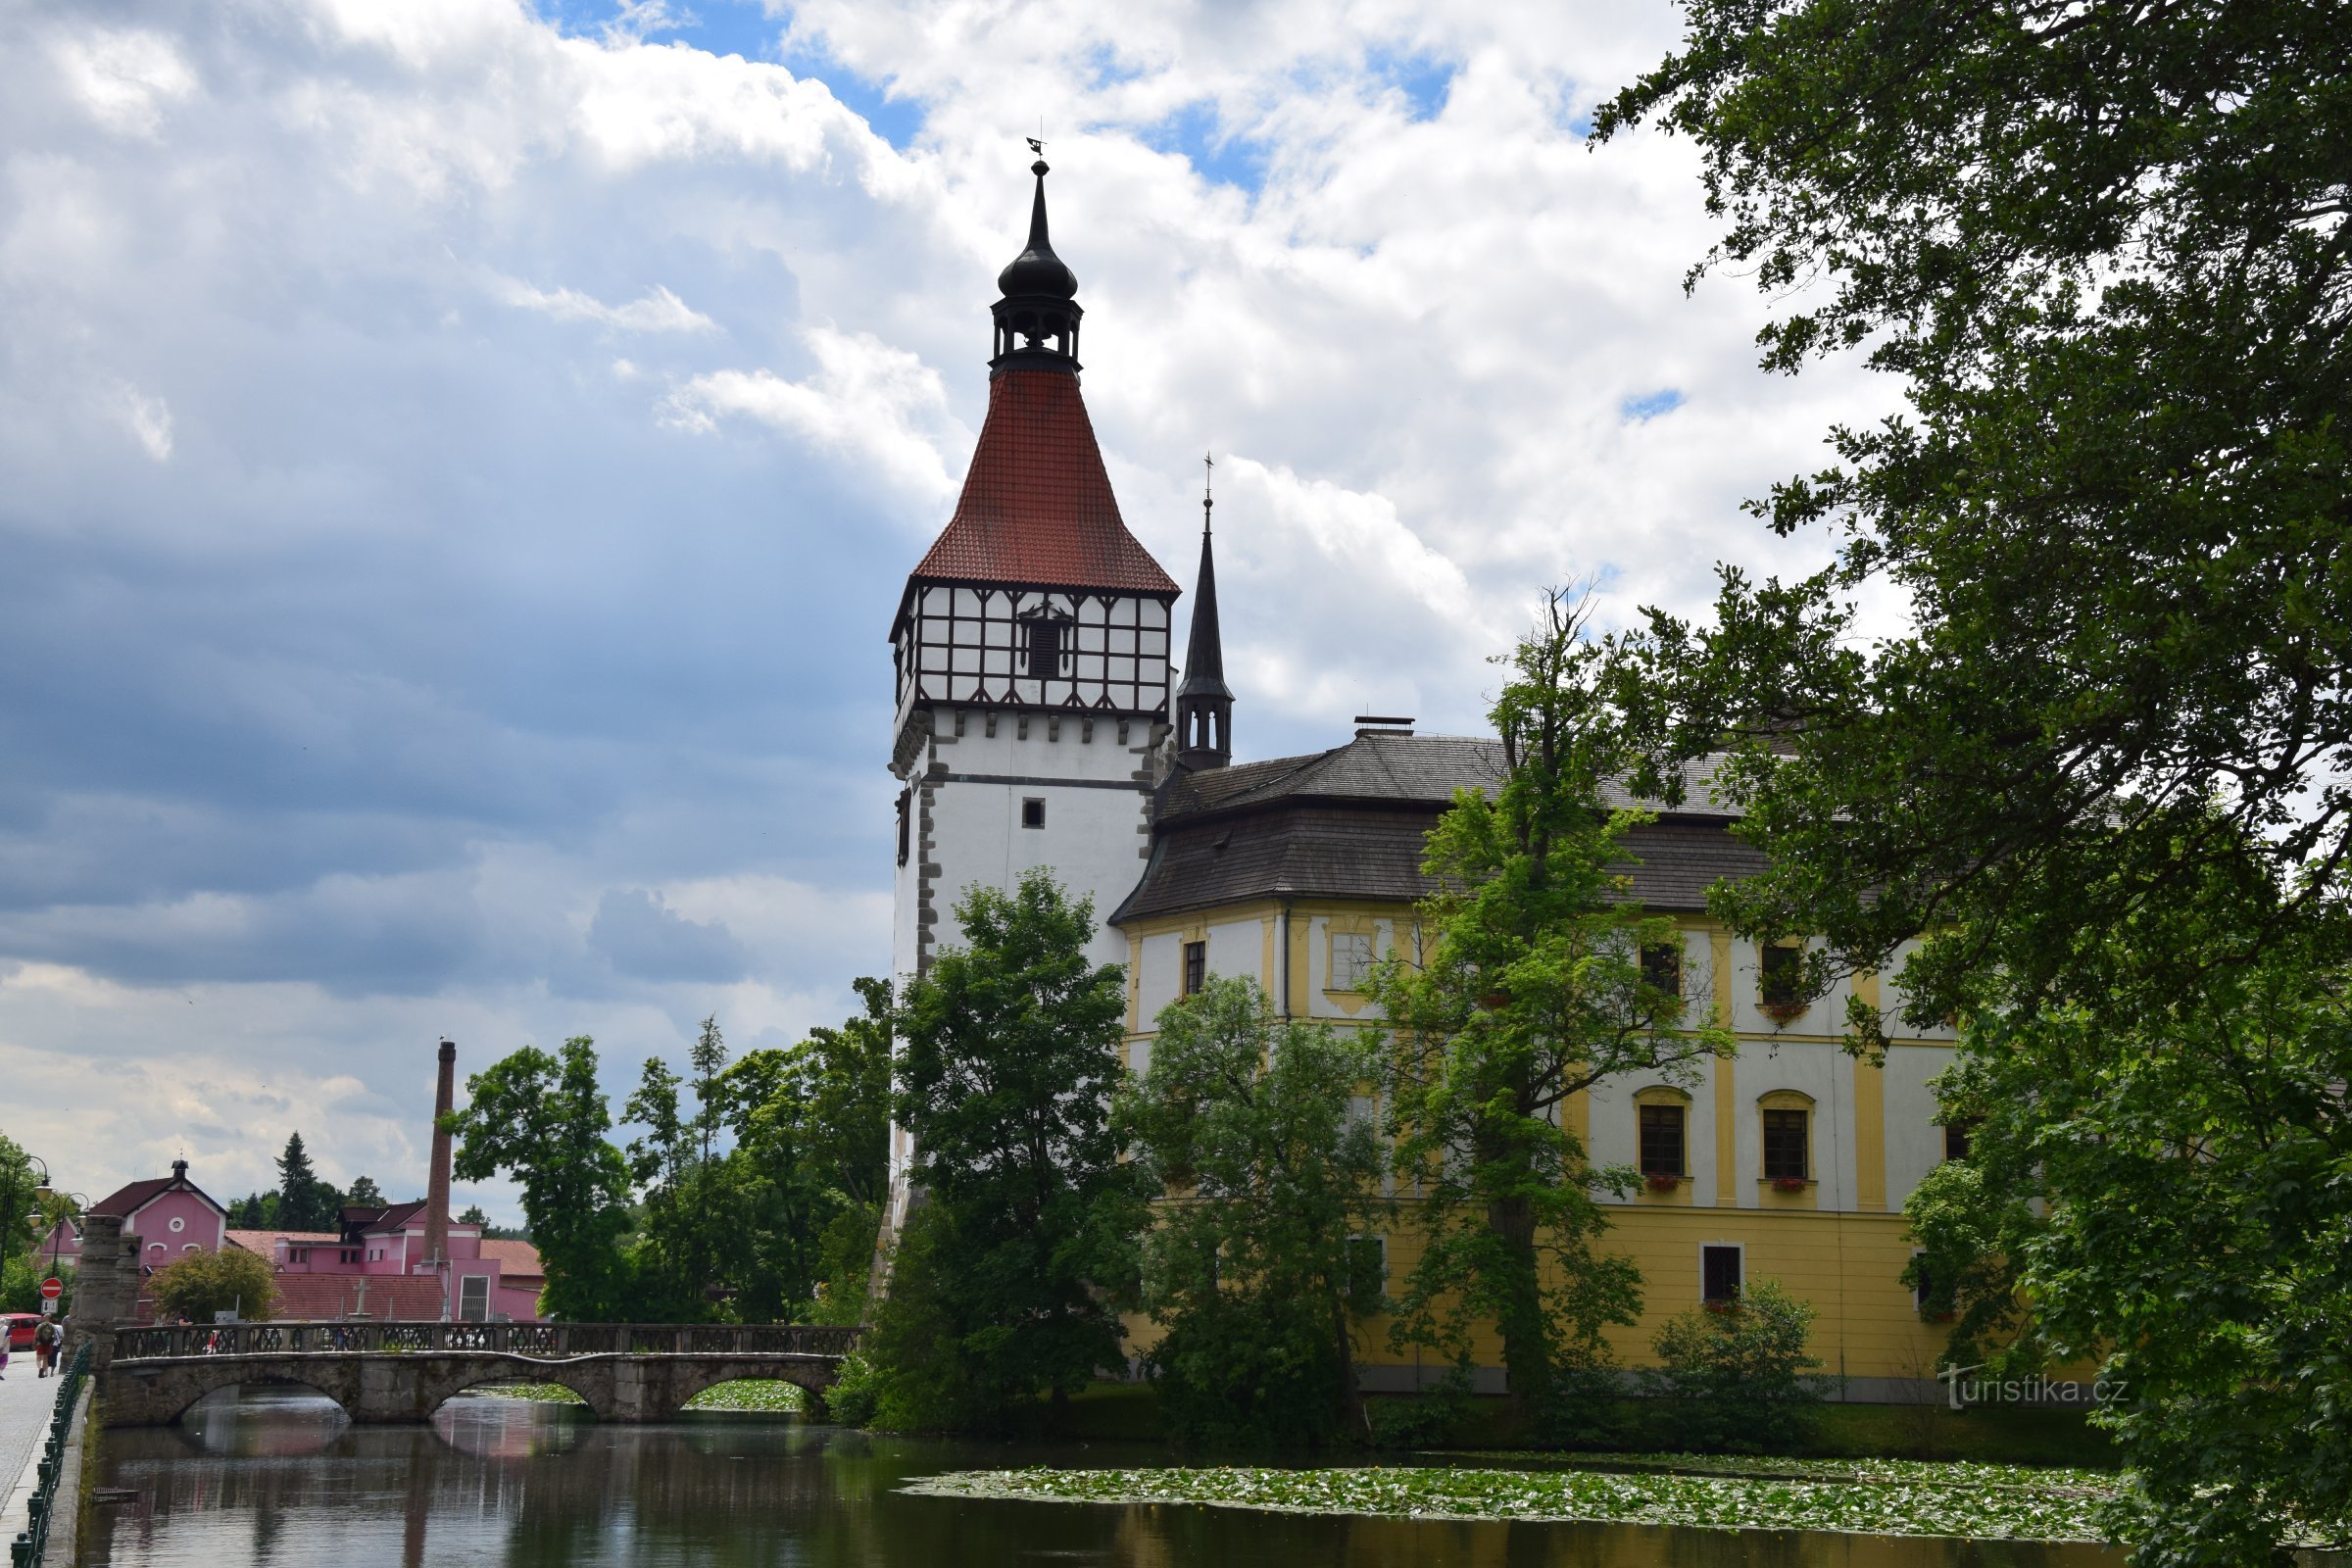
[{"x": 26, "y": 1402}]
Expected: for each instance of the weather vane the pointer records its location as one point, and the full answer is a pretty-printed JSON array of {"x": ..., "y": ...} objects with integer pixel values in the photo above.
[{"x": 1209, "y": 468}]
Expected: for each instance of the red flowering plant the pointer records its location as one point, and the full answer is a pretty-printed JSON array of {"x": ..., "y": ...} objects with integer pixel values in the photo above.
[
  {"x": 1790, "y": 1184},
  {"x": 1662, "y": 1182}
]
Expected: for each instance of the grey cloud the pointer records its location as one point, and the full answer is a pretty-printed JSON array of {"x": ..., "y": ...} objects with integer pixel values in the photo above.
[{"x": 642, "y": 937}]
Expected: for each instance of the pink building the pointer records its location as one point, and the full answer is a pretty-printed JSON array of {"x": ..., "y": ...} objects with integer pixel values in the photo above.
[
  {"x": 385, "y": 1263},
  {"x": 483, "y": 1280},
  {"x": 168, "y": 1216}
]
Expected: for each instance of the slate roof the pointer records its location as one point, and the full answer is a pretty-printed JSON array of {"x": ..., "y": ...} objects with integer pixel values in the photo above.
[
  {"x": 1350, "y": 823},
  {"x": 1037, "y": 508}
]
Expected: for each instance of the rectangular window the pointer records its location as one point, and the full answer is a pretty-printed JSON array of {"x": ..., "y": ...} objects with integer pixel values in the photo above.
[
  {"x": 1044, "y": 648},
  {"x": 1033, "y": 812},
  {"x": 1662, "y": 1139},
  {"x": 1350, "y": 959},
  {"x": 1367, "y": 1272},
  {"x": 1781, "y": 969},
  {"x": 1923, "y": 1288},
  {"x": 1955, "y": 1137},
  {"x": 906, "y": 812},
  {"x": 1662, "y": 967},
  {"x": 1785, "y": 1147},
  {"x": 474, "y": 1298},
  {"x": 1719, "y": 1273},
  {"x": 1196, "y": 967}
]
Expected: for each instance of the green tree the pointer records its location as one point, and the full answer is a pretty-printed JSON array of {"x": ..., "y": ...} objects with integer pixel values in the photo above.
[
  {"x": 19, "y": 1198},
  {"x": 1737, "y": 1375},
  {"x": 305, "y": 1202},
  {"x": 541, "y": 1120},
  {"x": 1265, "y": 1250},
  {"x": 2105, "y": 250},
  {"x": 1011, "y": 1055},
  {"x": 474, "y": 1215},
  {"x": 364, "y": 1193},
  {"x": 1529, "y": 989},
  {"x": 201, "y": 1283},
  {"x": 810, "y": 1124}
]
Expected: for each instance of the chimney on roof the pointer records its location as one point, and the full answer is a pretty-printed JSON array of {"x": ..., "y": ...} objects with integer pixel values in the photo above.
[
  {"x": 436, "y": 1202},
  {"x": 1382, "y": 725}
]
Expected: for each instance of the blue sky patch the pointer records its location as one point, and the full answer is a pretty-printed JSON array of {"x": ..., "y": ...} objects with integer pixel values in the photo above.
[
  {"x": 1425, "y": 82},
  {"x": 1195, "y": 132},
  {"x": 1648, "y": 406}
]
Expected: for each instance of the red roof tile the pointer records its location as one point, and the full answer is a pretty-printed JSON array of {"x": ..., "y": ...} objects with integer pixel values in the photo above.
[
  {"x": 317, "y": 1297},
  {"x": 1037, "y": 506},
  {"x": 516, "y": 1260}
]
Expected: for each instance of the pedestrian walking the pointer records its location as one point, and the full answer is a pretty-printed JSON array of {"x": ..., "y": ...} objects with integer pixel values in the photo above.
[{"x": 44, "y": 1348}]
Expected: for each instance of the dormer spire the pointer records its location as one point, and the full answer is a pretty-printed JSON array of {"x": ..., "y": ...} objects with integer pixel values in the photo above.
[
  {"x": 1036, "y": 319},
  {"x": 1204, "y": 703}
]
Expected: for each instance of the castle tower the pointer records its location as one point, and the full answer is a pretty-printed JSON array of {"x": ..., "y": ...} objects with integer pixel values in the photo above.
[
  {"x": 1031, "y": 645},
  {"x": 1032, "y": 657}
]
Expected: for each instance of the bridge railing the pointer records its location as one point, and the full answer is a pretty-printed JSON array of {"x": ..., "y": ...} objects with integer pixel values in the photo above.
[{"x": 542, "y": 1341}]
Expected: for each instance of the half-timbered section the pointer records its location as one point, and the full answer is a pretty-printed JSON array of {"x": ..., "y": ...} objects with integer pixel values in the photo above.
[{"x": 989, "y": 645}]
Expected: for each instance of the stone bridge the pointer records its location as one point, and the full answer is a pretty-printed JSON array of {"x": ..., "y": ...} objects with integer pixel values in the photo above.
[{"x": 403, "y": 1372}]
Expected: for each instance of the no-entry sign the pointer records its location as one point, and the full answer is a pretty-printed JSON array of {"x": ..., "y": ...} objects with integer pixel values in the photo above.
[{"x": 52, "y": 1287}]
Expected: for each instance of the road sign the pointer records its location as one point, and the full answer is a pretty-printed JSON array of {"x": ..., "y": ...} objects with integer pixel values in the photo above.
[
  {"x": 48, "y": 1306},
  {"x": 52, "y": 1287}
]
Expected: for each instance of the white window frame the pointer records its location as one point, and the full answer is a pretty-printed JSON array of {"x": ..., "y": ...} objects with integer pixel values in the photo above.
[{"x": 467, "y": 1284}]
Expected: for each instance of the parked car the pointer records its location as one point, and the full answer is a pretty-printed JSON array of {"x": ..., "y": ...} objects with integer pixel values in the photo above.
[{"x": 20, "y": 1329}]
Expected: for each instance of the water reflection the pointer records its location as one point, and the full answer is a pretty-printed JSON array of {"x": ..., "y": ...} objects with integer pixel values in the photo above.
[{"x": 277, "y": 1475}]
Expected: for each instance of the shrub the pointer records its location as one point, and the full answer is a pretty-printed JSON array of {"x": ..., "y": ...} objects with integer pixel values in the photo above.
[
  {"x": 1436, "y": 1415},
  {"x": 1733, "y": 1376},
  {"x": 201, "y": 1283},
  {"x": 851, "y": 1400}
]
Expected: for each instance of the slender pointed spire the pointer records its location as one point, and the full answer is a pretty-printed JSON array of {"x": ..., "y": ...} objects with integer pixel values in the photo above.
[{"x": 1204, "y": 703}]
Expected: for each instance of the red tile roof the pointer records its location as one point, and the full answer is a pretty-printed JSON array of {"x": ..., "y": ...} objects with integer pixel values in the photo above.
[
  {"x": 1037, "y": 506},
  {"x": 129, "y": 1199},
  {"x": 317, "y": 1297},
  {"x": 516, "y": 1260}
]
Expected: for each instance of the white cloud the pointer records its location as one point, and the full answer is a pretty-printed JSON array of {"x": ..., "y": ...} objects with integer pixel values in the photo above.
[
  {"x": 658, "y": 310},
  {"x": 147, "y": 419},
  {"x": 125, "y": 79},
  {"x": 867, "y": 402}
]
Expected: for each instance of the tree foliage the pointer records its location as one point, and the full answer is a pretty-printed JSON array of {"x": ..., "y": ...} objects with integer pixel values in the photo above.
[
  {"x": 1009, "y": 1057},
  {"x": 1264, "y": 1252},
  {"x": 306, "y": 1202},
  {"x": 1736, "y": 1376},
  {"x": 541, "y": 1120},
  {"x": 1529, "y": 989},
  {"x": 2100, "y": 774},
  {"x": 202, "y": 1283}
]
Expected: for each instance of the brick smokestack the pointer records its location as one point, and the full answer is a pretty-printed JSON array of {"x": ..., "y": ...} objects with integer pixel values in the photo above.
[{"x": 436, "y": 1198}]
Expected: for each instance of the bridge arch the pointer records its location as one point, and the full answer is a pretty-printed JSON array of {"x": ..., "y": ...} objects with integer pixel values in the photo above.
[
  {"x": 170, "y": 1395},
  {"x": 593, "y": 1384},
  {"x": 689, "y": 1382}
]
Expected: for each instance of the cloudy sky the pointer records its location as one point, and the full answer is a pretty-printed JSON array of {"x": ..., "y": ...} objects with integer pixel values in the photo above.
[{"x": 458, "y": 460}]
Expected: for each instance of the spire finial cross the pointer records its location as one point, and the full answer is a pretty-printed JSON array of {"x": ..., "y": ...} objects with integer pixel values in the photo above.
[{"x": 1209, "y": 468}]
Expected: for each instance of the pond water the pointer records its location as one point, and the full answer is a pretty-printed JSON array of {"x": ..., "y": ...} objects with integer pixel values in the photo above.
[{"x": 268, "y": 1475}]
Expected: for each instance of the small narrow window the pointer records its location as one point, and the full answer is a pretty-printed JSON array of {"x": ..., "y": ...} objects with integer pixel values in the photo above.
[
  {"x": 1196, "y": 967},
  {"x": 1662, "y": 967},
  {"x": 1923, "y": 1289},
  {"x": 1786, "y": 1155},
  {"x": 1782, "y": 968},
  {"x": 1956, "y": 1135},
  {"x": 474, "y": 1298},
  {"x": 1719, "y": 1274},
  {"x": 906, "y": 812},
  {"x": 1367, "y": 1272},
  {"x": 1033, "y": 812},
  {"x": 1662, "y": 1141}
]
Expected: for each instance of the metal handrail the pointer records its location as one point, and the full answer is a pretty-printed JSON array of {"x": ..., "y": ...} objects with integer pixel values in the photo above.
[
  {"x": 26, "y": 1550},
  {"x": 534, "y": 1340}
]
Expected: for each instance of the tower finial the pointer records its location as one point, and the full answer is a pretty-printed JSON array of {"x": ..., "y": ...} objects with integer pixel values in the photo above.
[
  {"x": 1204, "y": 703},
  {"x": 1209, "y": 468},
  {"x": 1036, "y": 320}
]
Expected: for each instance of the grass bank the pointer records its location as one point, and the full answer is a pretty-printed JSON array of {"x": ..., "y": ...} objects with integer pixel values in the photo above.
[{"x": 756, "y": 1398}]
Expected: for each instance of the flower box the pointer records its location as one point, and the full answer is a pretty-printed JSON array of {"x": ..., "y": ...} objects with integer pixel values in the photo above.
[
  {"x": 1790, "y": 1184},
  {"x": 1659, "y": 1182},
  {"x": 1782, "y": 1014}
]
